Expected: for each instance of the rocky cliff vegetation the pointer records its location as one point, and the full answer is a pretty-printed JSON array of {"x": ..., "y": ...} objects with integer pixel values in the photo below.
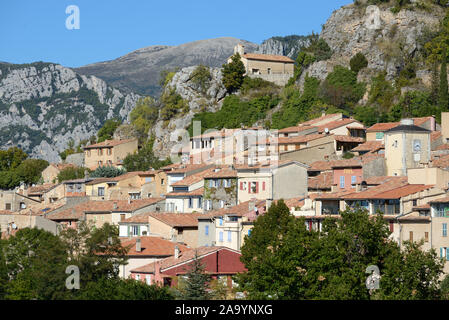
[{"x": 45, "y": 105}]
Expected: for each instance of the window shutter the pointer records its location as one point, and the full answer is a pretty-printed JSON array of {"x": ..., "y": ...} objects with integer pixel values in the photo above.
[
  {"x": 257, "y": 187},
  {"x": 263, "y": 186},
  {"x": 441, "y": 252},
  {"x": 241, "y": 185},
  {"x": 447, "y": 253}
]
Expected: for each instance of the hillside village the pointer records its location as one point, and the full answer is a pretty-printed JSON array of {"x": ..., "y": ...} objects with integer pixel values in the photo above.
[{"x": 203, "y": 196}]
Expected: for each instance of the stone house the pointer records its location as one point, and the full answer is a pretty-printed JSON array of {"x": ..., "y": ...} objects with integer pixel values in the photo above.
[
  {"x": 50, "y": 174},
  {"x": 108, "y": 153},
  {"x": 274, "y": 68},
  {"x": 220, "y": 188}
]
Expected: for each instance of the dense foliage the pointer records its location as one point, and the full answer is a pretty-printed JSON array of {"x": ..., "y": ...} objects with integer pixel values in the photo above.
[
  {"x": 233, "y": 73},
  {"x": 33, "y": 265},
  {"x": 144, "y": 159},
  {"x": 107, "y": 131},
  {"x": 107, "y": 172},
  {"x": 72, "y": 173},
  {"x": 15, "y": 167},
  {"x": 287, "y": 261}
]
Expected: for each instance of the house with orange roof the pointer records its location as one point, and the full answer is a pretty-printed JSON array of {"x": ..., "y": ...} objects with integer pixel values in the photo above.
[
  {"x": 46, "y": 193},
  {"x": 99, "y": 212},
  {"x": 229, "y": 226},
  {"x": 220, "y": 263},
  {"x": 187, "y": 194},
  {"x": 108, "y": 153},
  {"x": 16, "y": 200},
  {"x": 146, "y": 249},
  {"x": 273, "y": 68}
]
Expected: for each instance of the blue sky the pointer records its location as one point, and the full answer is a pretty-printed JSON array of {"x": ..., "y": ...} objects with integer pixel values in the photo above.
[{"x": 33, "y": 30}]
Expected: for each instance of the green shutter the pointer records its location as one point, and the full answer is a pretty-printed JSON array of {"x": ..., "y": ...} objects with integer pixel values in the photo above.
[{"x": 129, "y": 233}]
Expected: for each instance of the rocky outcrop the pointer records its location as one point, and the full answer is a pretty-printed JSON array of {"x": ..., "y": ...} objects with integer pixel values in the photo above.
[
  {"x": 288, "y": 46},
  {"x": 168, "y": 134},
  {"x": 387, "y": 39},
  {"x": 44, "y": 105},
  {"x": 139, "y": 71}
]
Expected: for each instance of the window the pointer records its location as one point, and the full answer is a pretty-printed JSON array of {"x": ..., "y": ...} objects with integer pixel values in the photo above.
[
  {"x": 137, "y": 276},
  {"x": 135, "y": 230},
  {"x": 211, "y": 183},
  {"x": 162, "y": 181},
  {"x": 353, "y": 180},
  {"x": 447, "y": 253},
  {"x": 426, "y": 236},
  {"x": 109, "y": 151},
  {"x": 100, "y": 163},
  {"x": 220, "y": 236},
  {"x": 220, "y": 221},
  {"x": 415, "y": 202},
  {"x": 249, "y": 232},
  {"x": 229, "y": 236},
  {"x": 8, "y": 206},
  {"x": 206, "y": 230},
  {"x": 190, "y": 202},
  {"x": 395, "y": 143},
  {"x": 411, "y": 236},
  {"x": 134, "y": 195},
  {"x": 342, "y": 182},
  {"x": 200, "y": 202},
  {"x": 148, "y": 279},
  {"x": 391, "y": 226},
  {"x": 100, "y": 191},
  {"x": 208, "y": 204},
  {"x": 22, "y": 205},
  {"x": 254, "y": 187},
  {"x": 222, "y": 203},
  {"x": 444, "y": 229}
]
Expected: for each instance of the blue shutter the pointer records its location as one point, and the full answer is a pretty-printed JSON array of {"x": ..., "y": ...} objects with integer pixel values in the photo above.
[
  {"x": 207, "y": 230},
  {"x": 441, "y": 252},
  {"x": 229, "y": 236},
  {"x": 249, "y": 232},
  {"x": 342, "y": 182},
  {"x": 221, "y": 236},
  {"x": 447, "y": 254}
]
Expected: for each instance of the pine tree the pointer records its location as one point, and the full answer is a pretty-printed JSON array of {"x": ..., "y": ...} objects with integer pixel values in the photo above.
[
  {"x": 443, "y": 96},
  {"x": 233, "y": 73},
  {"x": 196, "y": 282},
  {"x": 434, "y": 85}
]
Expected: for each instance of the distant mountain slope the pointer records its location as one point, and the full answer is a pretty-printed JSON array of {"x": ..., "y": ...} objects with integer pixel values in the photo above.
[
  {"x": 139, "y": 71},
  {"x": 44, "y": 105}
]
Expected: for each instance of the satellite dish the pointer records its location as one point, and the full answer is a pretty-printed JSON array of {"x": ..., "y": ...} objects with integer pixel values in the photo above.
[
  {"x": 326, "y": 130},
  {"x": 14, "y": 226}
]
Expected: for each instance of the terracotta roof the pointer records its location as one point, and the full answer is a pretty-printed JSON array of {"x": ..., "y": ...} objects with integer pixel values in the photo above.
[
  {"x": 242, "y": 209},
  {"x": 336, "y": 124},
  {"x": 196, "y": 192},
  {"x": 342, "y": 138},
  {"x": 435, "y": 135},
  {"x": 383, "y": 179},
  {"x": 444, "y": 146},
  {"x": 409, "y": 128},
  {"x": 222, "y": 173},
  {"x": 102, "y": 206},
  {"x": 422, "y": 207},
  {"x": 370, "y": 146},
  {"x": 184, "y": 257},
  {"x": 183, "y": 168},
  {"x": 266, "y": 165},
  {"x": 152, "y": 246},
  {"x": 5, "y": 212},
  {"x": 267, "y": 57},
  {"x": 389, "y": 191},
  {"x": 62, "y": 166},
  {"x": 122, "y": 177},
  {"x": 217, "y": 133},
  {"x": 381, "y": 127},
  {"x": 421, "y": 121},
  {"x": 108, "y": 143},
  {"x": 324, "y": 180},
  {"x": 441, "y": 200},
  {"x": 321, "y": 165},
  {"x": 40, "y": 189},
  {"x": 177, "y": 219},
  {"x": 193, "y": 178},
  {"x": 333, "y": 195},
  {"x": 139, "y": 218},
  {"x": 298, "y": 128},
  {"x": 440, "y": 162},
  {"x": 294, "y": 202}
]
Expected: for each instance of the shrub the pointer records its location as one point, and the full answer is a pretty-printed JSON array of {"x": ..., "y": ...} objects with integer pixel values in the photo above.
[
  {"x": 358, "y": 62},
  {"x": 233, "y": 73}
]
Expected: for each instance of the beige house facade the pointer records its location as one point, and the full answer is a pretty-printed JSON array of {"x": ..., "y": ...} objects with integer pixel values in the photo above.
[{"x": 109, "y": 153}]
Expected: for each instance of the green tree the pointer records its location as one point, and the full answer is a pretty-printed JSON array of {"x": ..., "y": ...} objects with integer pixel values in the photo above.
[
  {"x": 107, "y": 172},
  {"x": 107, "y": 131},
  {"x": 11, "y": 158},
  {"x": 172, "y": 104},
  {"x": 195, "y": 285},
  {"x": 30, "y": 170},
  {"x": 358, "y": 62},
  {"x": 72, "y": 173},
  {"x": 276, "y": 255},
  {"x": 233, "y": 73},
  {"x": 144, "y": 116},
  {"x": 36, "y": 263},
  {"x": 144, "y": 159}
]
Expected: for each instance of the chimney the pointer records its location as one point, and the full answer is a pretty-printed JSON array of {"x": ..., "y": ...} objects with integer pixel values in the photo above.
[
  {"x": 176, "y": 252},
  {"x": 138, "y": 245},
  {"x": 407, "y": 122},
  {"x": 129, "y": 200}
]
